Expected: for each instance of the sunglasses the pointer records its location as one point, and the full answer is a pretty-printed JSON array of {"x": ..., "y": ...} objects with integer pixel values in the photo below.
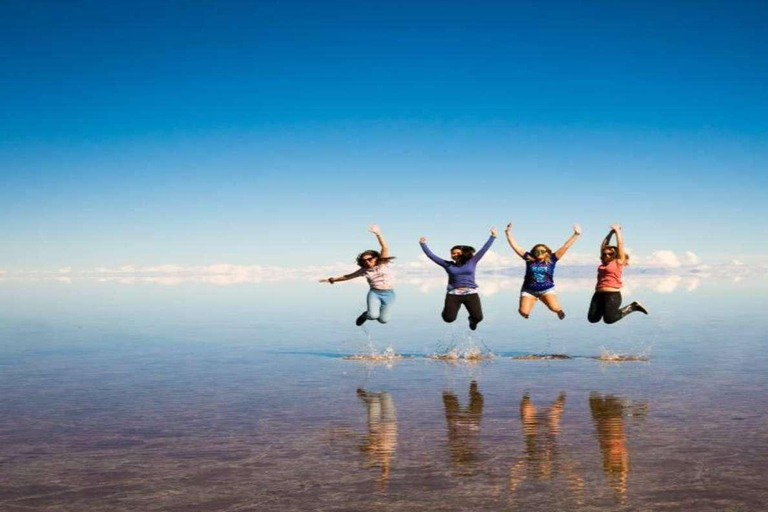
[
  {"x": 609, "y": 254},
  {"x": 540, "y": 251},
  {"x": 368, "y": 258}
]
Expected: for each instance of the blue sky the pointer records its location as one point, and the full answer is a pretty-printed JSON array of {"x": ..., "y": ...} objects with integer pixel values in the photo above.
[{"x": 274, "y": 132}]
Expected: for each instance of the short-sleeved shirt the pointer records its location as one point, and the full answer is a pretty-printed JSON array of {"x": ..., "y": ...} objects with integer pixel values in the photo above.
[
  {"x": 539, "y": 275},
  {"x": 609, "y": 276},
  {"x": 379, "y": 277}
]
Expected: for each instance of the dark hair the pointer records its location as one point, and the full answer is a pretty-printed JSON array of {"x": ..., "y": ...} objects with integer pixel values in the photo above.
[
  {"x": 467, "y": 251},
  {"x": 547, "y": 258},
  {"x": 375, "y": 254},
  {"x": 615, "y": 251}
]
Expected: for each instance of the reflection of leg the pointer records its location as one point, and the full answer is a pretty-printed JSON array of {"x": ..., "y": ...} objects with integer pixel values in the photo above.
[
  {"x": 387, "y": 298},
  {"x": 475, "y": 309},
  {"x": 595, "y": 308},
  {"x": 526, "y": 305},
  {"x": 550, "y": 299},
  {"x": 374, "y": 305},
  {"x": 554, "y": 414},
  {"x": 475, "y": 401},
  {"x": 451, "y": 308},
  {"x": 387, "y": 408}
]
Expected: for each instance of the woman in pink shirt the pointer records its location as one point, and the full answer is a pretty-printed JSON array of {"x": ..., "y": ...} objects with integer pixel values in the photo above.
[
  {"x": 374, "y": 266},
  {"x": 606, "y": 302}
]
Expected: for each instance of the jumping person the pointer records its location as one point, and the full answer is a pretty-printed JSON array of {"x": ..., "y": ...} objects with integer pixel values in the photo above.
[
  {"x": 462, "y": 288},
  {"x": 540, "y": 272},
  {"x": 374, "y": 265},
  {"x": 606, "y": 302}
]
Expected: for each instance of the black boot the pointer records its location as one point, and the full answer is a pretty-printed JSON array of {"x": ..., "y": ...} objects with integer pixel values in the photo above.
[
  {"x": 361, "y": 319},
  {"x": 639, "y": 307}
]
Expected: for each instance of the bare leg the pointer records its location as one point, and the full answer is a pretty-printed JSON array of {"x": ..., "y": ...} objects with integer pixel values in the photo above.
[
  {"x": 553, "y": 304},
  {"x": 526, "y": 305}
]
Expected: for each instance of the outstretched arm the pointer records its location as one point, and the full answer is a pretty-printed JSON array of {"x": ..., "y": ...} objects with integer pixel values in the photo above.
[
  {"x": 383, "y": 243},
  {"x": 346, "y": 277},
  {"x": 620, "y": 243},
  {"x": 512, "y": 243},
  {"x": 430, "y": 254},
  {"x": 568, "y": 243},
  {"x": 479, "y": 254}
]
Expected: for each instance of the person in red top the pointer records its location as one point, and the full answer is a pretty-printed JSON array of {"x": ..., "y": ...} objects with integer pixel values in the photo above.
[{"x": 606, "y": 302}]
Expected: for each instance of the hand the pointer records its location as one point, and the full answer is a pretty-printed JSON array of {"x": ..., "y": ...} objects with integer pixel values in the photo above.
[
  {"x": 376, "y": 230},
  {"x": 616, "y": 227},
  {"x": 423, "y": 240},
  {"x": 576, "y": 229},
  {"x": 329, "y": 280},
  {"x": 509, "y": 227},
  {"x": 494, "y": 232}
]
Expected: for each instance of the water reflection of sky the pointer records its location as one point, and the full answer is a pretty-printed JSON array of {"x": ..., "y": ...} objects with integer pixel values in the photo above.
[{"x": 200, "y": 397}]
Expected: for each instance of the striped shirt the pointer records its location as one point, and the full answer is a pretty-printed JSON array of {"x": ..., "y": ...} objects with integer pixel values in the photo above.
[{"x": 379, "y": 277}]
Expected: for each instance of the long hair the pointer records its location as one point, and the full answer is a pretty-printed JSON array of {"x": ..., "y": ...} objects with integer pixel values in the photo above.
[
  {"x": 467, "y": 251},
  {"x": 615, "y": 250},
  {"x": 547, "y": 258},
  {"x": 375, "y": 254}
]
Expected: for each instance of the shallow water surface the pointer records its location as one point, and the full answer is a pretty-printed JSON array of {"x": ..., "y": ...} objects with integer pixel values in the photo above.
[{"x": 209, "y": 398}]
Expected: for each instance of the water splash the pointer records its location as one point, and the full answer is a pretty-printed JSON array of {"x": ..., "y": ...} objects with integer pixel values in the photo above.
[
  {"x": 464, "y": 350},
  {"x": 616, "y": 357},
  {"x": 387, "y": 356}
]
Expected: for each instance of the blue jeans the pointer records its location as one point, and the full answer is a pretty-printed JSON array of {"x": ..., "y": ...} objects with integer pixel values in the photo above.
[{"x": 380, "y": 304}]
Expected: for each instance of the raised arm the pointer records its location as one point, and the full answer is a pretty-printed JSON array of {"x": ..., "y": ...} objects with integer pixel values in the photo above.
[
  {"x": 479, "y": 254},
  {"x": 512, "y": 243},
  {"x": 607, "y": 240},
  {"x": 620, "y": 243},
  {"x": 568, "y": 243},
  {"x": 430, "y": 254},
  {"x": 383, "y": 243},
  {"x": 346, "y": 277}
]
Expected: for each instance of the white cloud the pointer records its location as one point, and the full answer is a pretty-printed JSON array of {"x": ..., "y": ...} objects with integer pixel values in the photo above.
[
  {"x": 663, "y": 271},
  {"x": 661, "y": 259},
  {"x": 691, "y": 258},
  {"x": 667, "y": 284}
]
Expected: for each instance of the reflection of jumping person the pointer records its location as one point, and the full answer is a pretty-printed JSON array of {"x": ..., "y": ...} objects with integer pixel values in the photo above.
[
  {"x": 374, "y": 265},
  {"x": 541, "y": 429},
  {"x": 462, "y": 288},
  {"x": 381, "y": 442},
  {"x": 463, "y": 425},
  {"x": 606, "y": 302},
  {"x": 607, "y": 413},
  {"x": 540, "y": 273}
]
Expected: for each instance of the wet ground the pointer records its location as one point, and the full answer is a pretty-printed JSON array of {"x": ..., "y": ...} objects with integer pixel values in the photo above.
[{"x": 163, "y": 415}]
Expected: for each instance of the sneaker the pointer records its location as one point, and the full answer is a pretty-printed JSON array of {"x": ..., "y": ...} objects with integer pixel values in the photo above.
[
  {"x": 361, "y": 319},
  {"x": 639, "y": 307},
  {"x": 561, "y": 314},
  {"x": 472, "y": 323}
]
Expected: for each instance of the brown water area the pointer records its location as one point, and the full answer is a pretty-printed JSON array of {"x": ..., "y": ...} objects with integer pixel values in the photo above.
[
  {"x": 659, "y": 413},
  {"x": 207, "y": 431}
]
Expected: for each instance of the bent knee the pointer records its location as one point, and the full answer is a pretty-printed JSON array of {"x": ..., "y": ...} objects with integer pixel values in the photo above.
[
  {"x": 382, "y": 320},
  {"x": 523, "y": 313},
  {"x": 594, "y": 319}
]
